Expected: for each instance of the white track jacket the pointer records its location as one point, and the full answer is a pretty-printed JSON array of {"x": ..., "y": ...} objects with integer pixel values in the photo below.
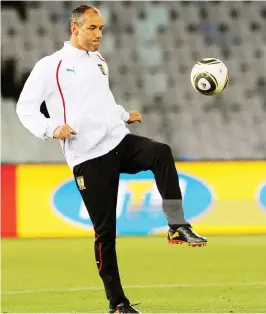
[{"x": 75, "y": 86}]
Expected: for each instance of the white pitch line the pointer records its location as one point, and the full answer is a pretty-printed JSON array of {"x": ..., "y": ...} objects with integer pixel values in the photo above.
[{"x": 138, "y": 287}]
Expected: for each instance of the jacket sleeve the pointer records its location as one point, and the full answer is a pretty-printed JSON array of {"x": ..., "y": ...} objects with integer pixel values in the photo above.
[
  {"x": 124, "y": 115},
  {"x": 34, "y": 92}
]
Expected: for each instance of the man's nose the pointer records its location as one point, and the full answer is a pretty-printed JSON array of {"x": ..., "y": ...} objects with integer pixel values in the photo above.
[{"x": 98, "y": 34}]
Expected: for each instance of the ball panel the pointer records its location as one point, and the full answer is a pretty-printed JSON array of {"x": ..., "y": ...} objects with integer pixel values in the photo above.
[
  {"x": 226, "y": 81},
  {"x": 205, "y": 83},
  {"x": 209, "y": 61}
]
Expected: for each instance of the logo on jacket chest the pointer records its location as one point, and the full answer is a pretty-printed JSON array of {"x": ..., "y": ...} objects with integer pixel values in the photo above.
[
  {"x": 71, "y": 69},
  {"x": 102, "y": 69}
]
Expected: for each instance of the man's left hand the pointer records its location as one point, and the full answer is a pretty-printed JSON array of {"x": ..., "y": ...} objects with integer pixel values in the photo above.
[{"x": 134, "y": 116}]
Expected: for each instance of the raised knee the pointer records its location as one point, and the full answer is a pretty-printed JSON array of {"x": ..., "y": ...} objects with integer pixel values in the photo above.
[{"x": 163, "y": 149}]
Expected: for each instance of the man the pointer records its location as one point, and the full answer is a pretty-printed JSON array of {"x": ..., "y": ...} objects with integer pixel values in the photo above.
[{"x": 96, "y": 143}]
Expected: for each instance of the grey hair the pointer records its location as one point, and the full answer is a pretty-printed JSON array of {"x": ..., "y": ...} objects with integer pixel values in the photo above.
[{"x": 77, "y": 15}]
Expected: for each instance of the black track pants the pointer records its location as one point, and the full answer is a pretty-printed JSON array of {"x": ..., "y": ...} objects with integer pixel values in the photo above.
[{"x": 100, "y": 177}]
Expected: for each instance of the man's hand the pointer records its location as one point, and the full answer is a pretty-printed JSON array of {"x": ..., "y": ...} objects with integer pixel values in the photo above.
[
  {"x": 63, "y": 131},
  {"x": 134, "y": 116}
]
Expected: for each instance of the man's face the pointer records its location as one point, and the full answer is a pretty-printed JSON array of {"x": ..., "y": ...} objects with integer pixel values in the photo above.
[{"x": 89, "y": 32}]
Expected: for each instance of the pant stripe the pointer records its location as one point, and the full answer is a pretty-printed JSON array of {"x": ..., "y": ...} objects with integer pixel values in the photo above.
[{"x": 100, "y": 256}]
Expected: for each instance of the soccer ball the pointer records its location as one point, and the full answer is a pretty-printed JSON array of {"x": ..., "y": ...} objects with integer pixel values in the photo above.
[{"x": 209, "y": 76}]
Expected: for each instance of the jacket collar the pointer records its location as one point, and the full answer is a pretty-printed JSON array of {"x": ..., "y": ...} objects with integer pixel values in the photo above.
[{"x": 71, "y": 50}]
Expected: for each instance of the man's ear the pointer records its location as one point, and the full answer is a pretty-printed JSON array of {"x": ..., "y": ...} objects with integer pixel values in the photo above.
[{"x": 74, "y": 29}]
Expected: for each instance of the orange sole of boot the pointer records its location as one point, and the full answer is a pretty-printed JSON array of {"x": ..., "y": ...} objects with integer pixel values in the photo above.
[{"x": 195, "y": 244}]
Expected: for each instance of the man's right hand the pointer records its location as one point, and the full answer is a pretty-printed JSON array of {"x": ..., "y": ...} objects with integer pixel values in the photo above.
[{"x": 64, "y": 131}]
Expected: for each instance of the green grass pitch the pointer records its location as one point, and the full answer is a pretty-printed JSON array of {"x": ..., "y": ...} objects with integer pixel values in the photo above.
[{"x": 60, "y": 275}]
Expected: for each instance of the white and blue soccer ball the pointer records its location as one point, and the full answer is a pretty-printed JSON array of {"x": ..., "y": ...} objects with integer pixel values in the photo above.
[{"x": 209, "y": 76}]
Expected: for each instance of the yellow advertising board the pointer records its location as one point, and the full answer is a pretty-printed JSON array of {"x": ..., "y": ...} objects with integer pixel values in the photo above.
[
  {"x": 218, "y": 198},
  {"x": 36, "y": 216}
]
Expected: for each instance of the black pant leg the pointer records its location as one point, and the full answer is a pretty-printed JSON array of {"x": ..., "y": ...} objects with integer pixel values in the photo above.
[
  {"x": 140, "y": 154},
  {"x": 97, "y": 180}
]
